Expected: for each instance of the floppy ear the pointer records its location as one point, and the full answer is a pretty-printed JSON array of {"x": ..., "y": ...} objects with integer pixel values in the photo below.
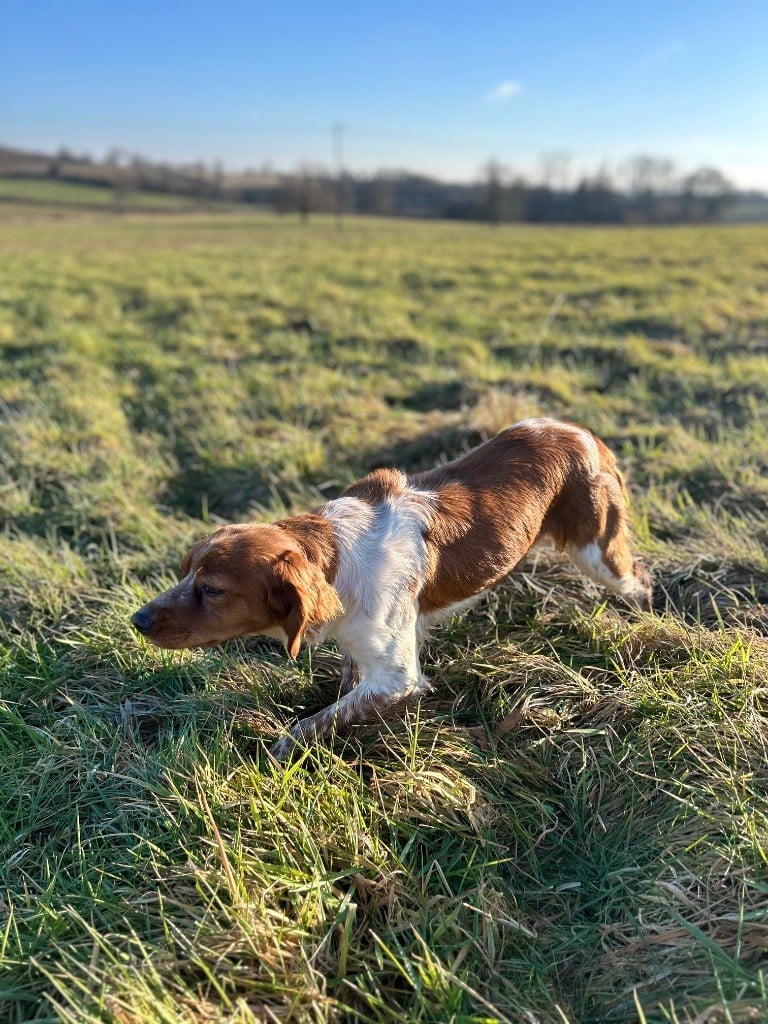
[
  {"x": 186, "y": 561},
  {"x": 300, "y": 596}
]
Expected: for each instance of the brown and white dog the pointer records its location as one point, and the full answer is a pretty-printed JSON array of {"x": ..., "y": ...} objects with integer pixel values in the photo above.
[{"x": 378, "y": 566}]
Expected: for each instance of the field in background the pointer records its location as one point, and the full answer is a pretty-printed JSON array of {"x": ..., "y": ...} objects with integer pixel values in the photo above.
[
  {"x": 574, "y": 828},
  {"x": 68, "y": 196}
]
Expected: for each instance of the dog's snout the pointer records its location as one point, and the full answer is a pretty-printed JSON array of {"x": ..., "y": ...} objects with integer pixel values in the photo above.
[{"x": 142, "y": 620}]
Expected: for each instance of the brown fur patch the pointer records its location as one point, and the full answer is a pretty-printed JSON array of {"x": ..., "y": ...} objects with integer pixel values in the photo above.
[
  {"x": 377, "y": 487},
  {"x": 491, "y": 503}
]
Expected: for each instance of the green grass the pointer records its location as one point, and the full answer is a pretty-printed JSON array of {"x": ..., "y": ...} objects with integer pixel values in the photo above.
[
  {"x": 64, "y": 193},
  {"x": 574, "y": 828}
]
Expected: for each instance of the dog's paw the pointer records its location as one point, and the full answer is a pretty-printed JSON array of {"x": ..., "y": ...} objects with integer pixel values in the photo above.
[
  {"x": 282, "y": 749},
  {"x": 642, "y": 596}
]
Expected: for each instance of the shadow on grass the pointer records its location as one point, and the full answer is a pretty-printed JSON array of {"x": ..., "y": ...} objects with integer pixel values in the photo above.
[
  {"x": 437, "y": 396},
  {"x": 238, "y": 492},
  {"x": 710, "y": 593}
]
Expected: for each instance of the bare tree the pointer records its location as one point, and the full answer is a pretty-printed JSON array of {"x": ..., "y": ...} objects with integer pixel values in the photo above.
[
  {"x": 555, "y": 169},
  {"x": 651, "y": 179},
  {"x": 305, "y": 192},
  {"x": 219, "y": 178},
  {"x": 705, "y": 193},
  {"x": 495, "y": 177},
  {"x": 62, "y": 157},
  {"x": 650, "y": 174},
  {"x": 515, "y": 199}
]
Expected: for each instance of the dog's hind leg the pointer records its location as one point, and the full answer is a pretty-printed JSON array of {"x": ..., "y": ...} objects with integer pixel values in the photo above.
[{"x": 607, "y": 558}]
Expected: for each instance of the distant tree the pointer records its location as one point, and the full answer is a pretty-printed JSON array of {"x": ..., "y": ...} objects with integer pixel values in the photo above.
[
  {"x": 596, "y": 199},
  {"x": 306, "y": 192},
  {"x": 651, "y": 179},
  {"x": 604, "y": 177},
  {"x": 516, "y": 201},
  {"x": 495, "y": 177},
  {"x": 218, "y": 178},
  {"x": 554, "y": 169},
  {"x": 383, "y": 194},
  {"x": 706, "y": 192},
  {"x": 120, "y": 189},
  {"x": 59, "y": 162},
  {"x": 116, "y": 157},
  {"x": 140, "y": 171},
  {"x": 540, "y": 204},
  {"x": 345, "y": 200},
  {"x": 650, "y": 174},
  {"x": 165, "y": 177}
]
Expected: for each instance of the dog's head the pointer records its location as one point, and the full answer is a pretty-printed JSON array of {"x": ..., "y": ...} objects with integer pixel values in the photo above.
[{"x": 241, "y": 581}]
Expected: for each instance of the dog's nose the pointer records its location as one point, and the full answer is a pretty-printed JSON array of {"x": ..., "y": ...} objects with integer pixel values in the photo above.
[{"x": 142, "y": 620}]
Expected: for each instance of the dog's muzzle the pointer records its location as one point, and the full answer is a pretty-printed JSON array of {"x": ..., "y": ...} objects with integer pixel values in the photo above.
[{"x": 142, "y": 620}]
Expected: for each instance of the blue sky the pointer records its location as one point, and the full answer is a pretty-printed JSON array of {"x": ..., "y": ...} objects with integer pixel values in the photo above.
[{"x": 437, "y": 87}]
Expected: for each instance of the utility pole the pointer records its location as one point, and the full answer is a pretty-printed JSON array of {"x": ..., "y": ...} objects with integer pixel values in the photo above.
[{"x": 337, "y": 136}]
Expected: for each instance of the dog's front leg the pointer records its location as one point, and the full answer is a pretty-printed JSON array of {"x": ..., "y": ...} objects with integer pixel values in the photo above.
[
  {"x": 388, "y": 672},
  {"x": 350, "y": 674}
]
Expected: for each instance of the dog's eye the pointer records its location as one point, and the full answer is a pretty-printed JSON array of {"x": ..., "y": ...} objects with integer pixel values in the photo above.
[{"x": 211, "y": 591}]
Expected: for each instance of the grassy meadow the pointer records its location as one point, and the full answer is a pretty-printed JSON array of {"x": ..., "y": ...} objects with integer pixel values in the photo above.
[
  {"x": 574, "y": 827},
  {"x": 66, "y": 196}
]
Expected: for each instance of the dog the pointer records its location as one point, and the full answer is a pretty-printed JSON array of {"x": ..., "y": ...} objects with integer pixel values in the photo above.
[{"x": 376, "y": 567}]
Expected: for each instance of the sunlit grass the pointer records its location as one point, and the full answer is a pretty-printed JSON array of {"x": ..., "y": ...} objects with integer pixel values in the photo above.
[{"x": 574, "y": 827}]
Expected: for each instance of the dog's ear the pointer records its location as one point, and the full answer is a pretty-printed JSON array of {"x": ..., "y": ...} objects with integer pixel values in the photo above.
[
  {"x": 188, "y": 559},
  {"x": 299, "y": 595}
]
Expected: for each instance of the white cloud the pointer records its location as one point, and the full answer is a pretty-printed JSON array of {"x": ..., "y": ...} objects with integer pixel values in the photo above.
[{"x": 503, "y": 91}]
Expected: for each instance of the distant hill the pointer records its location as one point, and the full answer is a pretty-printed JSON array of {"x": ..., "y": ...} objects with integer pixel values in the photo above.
[
  {"x": 50, "y": 192},
  {"x": 125, "y": 182},
  {"x": 126, "y": 177},
  {"x": 748, "y": 207}
]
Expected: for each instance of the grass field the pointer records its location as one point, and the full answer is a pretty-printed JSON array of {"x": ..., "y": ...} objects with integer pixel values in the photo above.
[
  {"x": 574, "y": 827},
  {"x": 52, "y": 193}
]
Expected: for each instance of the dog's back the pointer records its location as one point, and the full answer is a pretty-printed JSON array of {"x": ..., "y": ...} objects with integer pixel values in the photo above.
[{"x": 537, "y": 479}]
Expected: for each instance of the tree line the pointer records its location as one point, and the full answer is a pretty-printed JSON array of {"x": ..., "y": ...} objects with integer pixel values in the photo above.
[
  {"x": 653, "y": 194},
  {"x": 646, "y": 190}
]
